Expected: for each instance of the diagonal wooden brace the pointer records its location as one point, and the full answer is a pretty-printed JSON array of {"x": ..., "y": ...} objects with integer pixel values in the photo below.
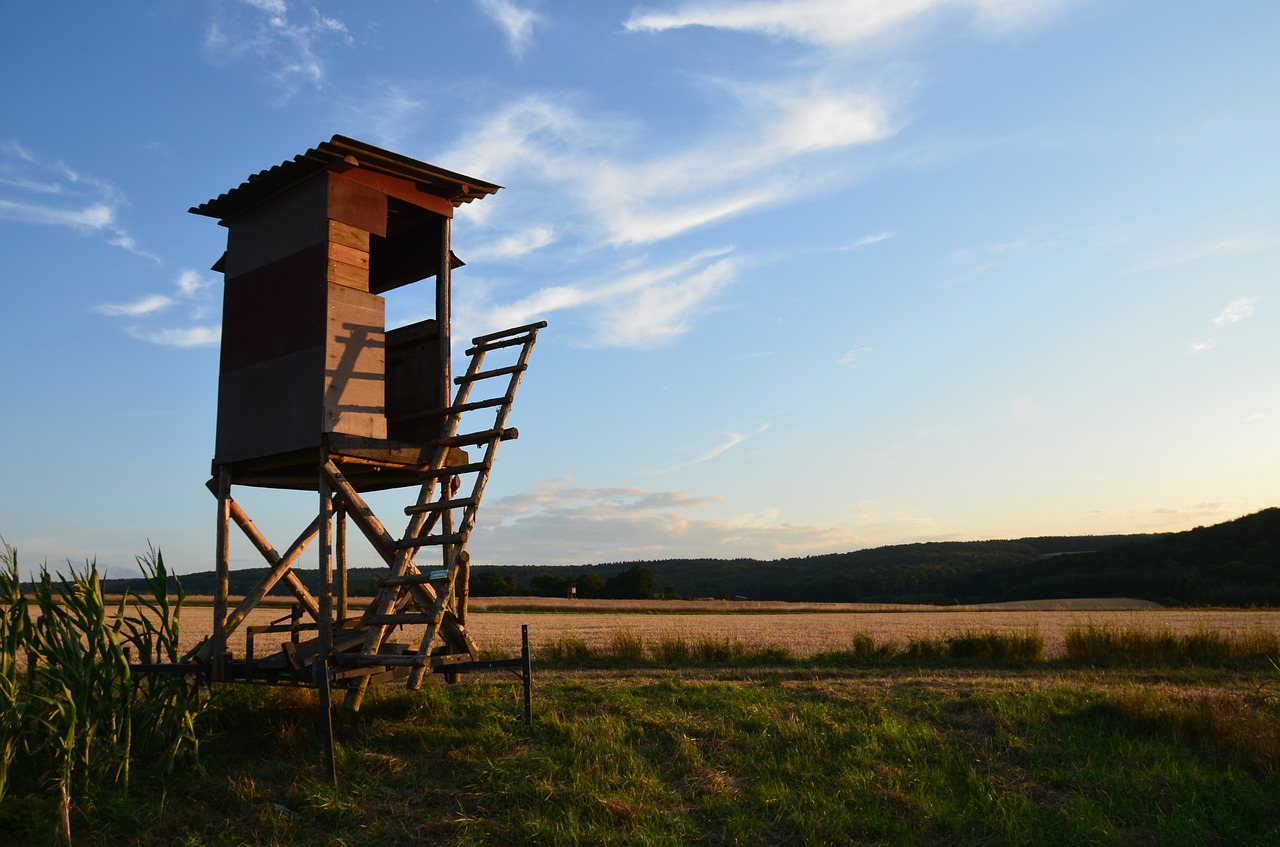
[
  {"x": 377, "y": 535},
  {"x": 281, "y": 568}
]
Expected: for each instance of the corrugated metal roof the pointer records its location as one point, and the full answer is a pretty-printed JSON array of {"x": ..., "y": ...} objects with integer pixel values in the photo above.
[{"x": 456, "y": 188}]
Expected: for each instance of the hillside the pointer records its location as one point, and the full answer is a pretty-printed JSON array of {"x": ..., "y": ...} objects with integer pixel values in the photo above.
[{"x": 1235, "y": 563}]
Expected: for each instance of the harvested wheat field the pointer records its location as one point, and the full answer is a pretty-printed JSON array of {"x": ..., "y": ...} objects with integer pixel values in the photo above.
[{"x": 804, "y": 629}]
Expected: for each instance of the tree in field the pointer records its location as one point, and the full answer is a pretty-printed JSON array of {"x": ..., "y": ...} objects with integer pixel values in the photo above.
[
  {"x": 590, "y": 586},
  {"x": 635, "y": 584},
  {"x": 549, "y": 586},
  {"x": 492, "y": 584}
]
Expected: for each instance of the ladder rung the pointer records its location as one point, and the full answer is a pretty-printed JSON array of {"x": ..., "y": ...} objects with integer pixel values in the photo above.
[
  {"x": 428, "y": 541},
  {"x": 498, "y": 345},
  {"x": 450, "y": 410},
  {"x": 472, "y": 438},
  {"x": 454, "y": 470},
  {"x": 440, "y": 505},
  {"x": 503, "y": 333},
  {"x": 479, "y": 404},
  {"x": 476, "y": 377}
]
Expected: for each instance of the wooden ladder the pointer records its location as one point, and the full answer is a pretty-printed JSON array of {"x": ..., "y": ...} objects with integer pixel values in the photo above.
[{"x": 443, "y": 516}]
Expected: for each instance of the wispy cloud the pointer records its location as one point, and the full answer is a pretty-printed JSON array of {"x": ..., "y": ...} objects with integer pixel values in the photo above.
[
  {"x": 36, "y": 190},
  {"x": 640, "y": 201},
  {"x": 732, "y": 439},
  {"x": 975, "y": 261},
  {"x": 1236, "y": 311},
  {"x": 634, "y": 197},
  {"x": 515, "y": 244},
  {"x": 639, "y": 309},
  {"x": 194, "y": 336},
  {"x": 191, "y": 291},
  {"x": 145, "y": 305},
  {"x": 614, "y": 184},
  {"x": 1178, "y": 518},
  {"x": 516, "y": 23},
  {"x": 840, "y": 24},
  {"x": 268, "y": 31},
  {"x": 559, "y": 522},
  {"x": 1242, "y": 308},
  {"x": 866, "y": 241},
  {"x": 610, "y": 194},
  {"x": 387, "y": 112},
  {"x": 1249, "y": 243},
  {"x": 853, "y": 357}
]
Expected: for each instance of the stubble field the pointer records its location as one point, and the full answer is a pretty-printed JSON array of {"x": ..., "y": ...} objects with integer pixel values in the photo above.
[{"x": 802, "y": 629}]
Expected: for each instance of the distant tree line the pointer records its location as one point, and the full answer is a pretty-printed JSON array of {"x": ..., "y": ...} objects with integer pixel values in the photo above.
[
  {"x": 1231, "y": 564},
  {"x": 635, "y": 583}
]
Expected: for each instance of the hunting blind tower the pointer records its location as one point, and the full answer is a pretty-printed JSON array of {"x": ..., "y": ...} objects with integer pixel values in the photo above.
[{"x": 315, "y": 394}]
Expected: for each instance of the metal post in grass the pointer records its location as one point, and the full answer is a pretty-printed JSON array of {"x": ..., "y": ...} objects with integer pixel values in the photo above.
[
  {"x": 527, "y": 671},
  {"x": 321, "y": 671}
]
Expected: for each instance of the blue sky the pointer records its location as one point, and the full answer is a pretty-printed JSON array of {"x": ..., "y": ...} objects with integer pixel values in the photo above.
[{"x": 819, "y": 275}]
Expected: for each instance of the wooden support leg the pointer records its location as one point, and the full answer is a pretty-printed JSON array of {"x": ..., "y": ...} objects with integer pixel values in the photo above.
[
  {"x": 326, "y": 564},
  {"x": 341, "y": 556},
  {"x": 223, "y": 567},
  {"x": 462, "y": 588}
]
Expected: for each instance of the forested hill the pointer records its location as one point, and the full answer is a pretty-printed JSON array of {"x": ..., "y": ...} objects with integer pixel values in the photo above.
[
  {"x": 1230, "y": 564},
  {"x": 1234, "y": 563}
]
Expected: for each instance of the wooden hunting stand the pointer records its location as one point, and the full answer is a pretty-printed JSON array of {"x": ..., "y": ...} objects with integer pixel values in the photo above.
[{"x": 315, "y": 394}]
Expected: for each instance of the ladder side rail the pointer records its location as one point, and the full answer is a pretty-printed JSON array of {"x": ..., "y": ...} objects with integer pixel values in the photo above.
[
  {"x": 454, "y": 552},
  {"x": 417, "y": 526}
]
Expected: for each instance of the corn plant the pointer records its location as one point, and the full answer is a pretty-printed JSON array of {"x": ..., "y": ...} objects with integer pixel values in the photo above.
[
  {"x": 77, "y": 717},
  {"x": 165, "y": 705},
  {"x": 14, "y": 623},
  {"x": 79, "y": 700}
]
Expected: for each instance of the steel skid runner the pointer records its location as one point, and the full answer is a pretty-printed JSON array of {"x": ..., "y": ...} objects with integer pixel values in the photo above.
[{"x": 315, "y": 394}]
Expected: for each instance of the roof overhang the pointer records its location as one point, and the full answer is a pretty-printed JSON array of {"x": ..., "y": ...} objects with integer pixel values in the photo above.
[{"x": 341, "y": 153}]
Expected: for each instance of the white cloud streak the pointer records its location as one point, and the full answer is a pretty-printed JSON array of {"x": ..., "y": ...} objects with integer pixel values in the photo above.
[
  {"x": 516, "y": 23},
  {"x": 1242, "y": 308},
  {"x": 641, "y": 309},
  {"x": 191, "y": 290},
  {"x": 867, "y": 241},
  {"x": 1236, "y": 311},
  {"x": 612, "y": 185},
  {"x": 641, "y": 199},
  {"x": 841, "y": 24},
  {"x": 53, "y": 194},
  {"x": 146, "y": 305},
  {"x": 853, "y": 356},
  {"x": 515, "y": 245},
  {"x": 732, "y": 439},
  {"x": 195, "y": 336},
  {"x": 561, "y": 523},
  {"x": 1249, "y": 243},
  {"x": 292, "y": 50}
]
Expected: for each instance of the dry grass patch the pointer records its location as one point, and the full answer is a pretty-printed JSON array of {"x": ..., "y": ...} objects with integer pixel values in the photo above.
[{"x": 806, "y": 635}]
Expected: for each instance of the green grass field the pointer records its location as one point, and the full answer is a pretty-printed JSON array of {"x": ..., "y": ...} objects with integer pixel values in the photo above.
[
  {"x": 648, "y": 736},
  {"x": 793, "y": 753}
]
